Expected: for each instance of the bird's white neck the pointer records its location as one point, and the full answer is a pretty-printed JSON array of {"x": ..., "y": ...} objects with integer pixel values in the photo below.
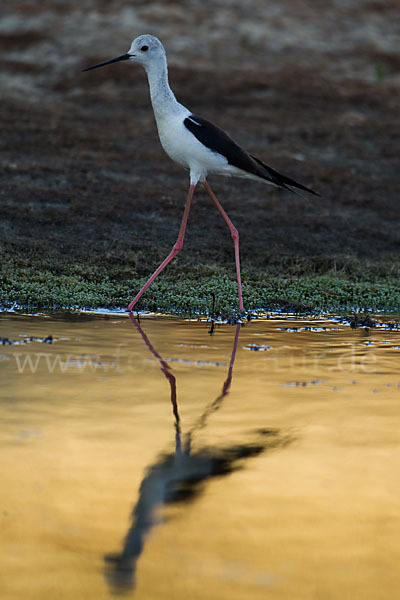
[{"x": 162, "y": 97}]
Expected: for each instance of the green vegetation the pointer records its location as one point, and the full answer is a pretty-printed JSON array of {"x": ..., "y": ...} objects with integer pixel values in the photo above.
[{"x": 193, "y": 293}]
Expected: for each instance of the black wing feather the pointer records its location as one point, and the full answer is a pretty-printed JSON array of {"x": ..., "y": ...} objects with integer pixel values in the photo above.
[
  {"x": 218, "y": 140},
  {"x": 282, "y": 179}
]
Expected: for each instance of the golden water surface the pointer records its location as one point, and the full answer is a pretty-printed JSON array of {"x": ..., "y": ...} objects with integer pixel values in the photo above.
[{"x": 154, "y": 460}]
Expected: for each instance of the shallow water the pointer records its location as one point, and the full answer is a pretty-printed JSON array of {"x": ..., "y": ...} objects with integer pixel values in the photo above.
[{"x": 153, "y": 460}]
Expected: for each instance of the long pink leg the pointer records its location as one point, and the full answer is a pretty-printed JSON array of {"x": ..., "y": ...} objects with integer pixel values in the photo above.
[
  {"x": 176, "y": 248},
  {"x": 235, "y": 237}
]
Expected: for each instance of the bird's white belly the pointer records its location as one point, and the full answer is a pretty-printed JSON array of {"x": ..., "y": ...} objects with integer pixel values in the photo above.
[{"x": 183, "y": 147}]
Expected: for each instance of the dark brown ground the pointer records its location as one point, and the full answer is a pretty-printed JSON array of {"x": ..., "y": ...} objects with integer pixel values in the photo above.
[{"x": 312, "y": 88}]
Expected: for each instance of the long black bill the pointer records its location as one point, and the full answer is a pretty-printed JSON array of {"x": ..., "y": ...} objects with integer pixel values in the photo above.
[{"x": 108, "y": 62}]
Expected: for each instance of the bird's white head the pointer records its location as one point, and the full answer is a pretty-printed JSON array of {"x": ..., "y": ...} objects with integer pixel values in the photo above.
[{"x": 145, "y": 50}]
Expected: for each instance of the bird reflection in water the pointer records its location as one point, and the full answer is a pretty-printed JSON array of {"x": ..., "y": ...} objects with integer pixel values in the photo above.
[{"x": 179, "y": 476}]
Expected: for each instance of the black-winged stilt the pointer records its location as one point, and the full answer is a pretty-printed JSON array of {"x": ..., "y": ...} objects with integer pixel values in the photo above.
[{"x": 196, "y": 144}]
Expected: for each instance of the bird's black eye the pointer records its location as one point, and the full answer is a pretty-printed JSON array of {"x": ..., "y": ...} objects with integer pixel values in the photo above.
[{"x": 144, "y": 48}]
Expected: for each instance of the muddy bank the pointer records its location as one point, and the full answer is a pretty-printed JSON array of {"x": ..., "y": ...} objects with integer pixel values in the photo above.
[{"x": 88, "y": 197}]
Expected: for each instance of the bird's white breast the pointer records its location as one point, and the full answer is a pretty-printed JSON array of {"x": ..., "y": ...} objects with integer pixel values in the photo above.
[{"x": 184, "y": 148}]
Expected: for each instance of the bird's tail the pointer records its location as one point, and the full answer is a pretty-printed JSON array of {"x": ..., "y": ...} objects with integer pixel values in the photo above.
[{"x": 283, "y": 181}]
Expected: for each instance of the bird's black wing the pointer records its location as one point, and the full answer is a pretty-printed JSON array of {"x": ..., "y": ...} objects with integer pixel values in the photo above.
[
  {"x": 282, "y": 180},
  {"x": 218, "y": 140}
]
